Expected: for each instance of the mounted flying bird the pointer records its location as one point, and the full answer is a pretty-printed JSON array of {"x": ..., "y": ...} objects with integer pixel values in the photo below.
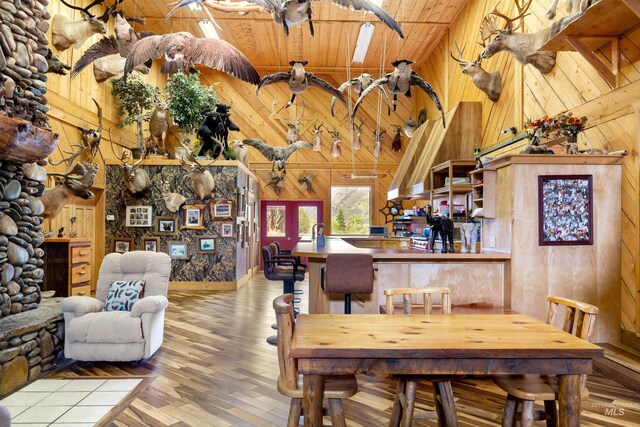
[
  {"x": 182, "y": 50},
  {"x": 359, "y": 84},
  {"x": 399, "y": 82},
  {"x": 299, "y": 80},
  {"x": 278, "y": 155},
  {"x": 289, "y": 13}
]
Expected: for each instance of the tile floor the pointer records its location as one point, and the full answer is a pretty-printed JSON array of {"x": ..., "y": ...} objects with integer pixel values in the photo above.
[{"x": 71, "y": 403}]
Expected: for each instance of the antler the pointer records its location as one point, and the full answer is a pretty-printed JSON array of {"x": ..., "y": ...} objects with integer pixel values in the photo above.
[
  {"x": 299, "y": 119},
  {"x": 335, "y": 133},
  {"x": 397, "y": 128},
  {"x": 317, "y": 129},
  {"x": 380, "y": 134},
  {"x": 460, "y": 52},
  {"x": 85, "y": 9},
  {"x": 522, "y": 10},
  {"x": 488, "y": 27},
  {"x": 69, "y": 160},
  {"x": 274, "y": 104}
]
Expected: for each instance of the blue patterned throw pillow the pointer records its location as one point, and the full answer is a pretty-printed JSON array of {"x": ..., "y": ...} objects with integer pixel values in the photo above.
[{"x": 122, "y": 295}]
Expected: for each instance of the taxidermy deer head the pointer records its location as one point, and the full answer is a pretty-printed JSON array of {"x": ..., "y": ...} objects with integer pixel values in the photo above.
[
  {"x": 172, "y": 201},
  {"x": 75, "y": 182},
  {"x": 201, "y": 178},
  {"x": 523, "y": 47},
  {"x": 356, "y": 144},
  {"x": 293, "y": 127},
  {"x": 136, "y": 179},
  {"x": 489, "y": 83},
  {"x": 378, "y": 137},
  {"x": 317, "y": 137},
  {"x": 336, "y": 151},
  {"x": 67, "y": 33},
  {"x": 159, "y": 122},
  {"x": 305, "y": 181},
  {"x": 396, "y": 145}
]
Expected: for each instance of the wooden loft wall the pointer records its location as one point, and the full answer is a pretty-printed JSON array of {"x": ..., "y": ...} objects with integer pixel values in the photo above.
[
  {"x": 255, "y": 119},
  {"x": 71, "y": 105},
  {"x": 572, "y": 85}
]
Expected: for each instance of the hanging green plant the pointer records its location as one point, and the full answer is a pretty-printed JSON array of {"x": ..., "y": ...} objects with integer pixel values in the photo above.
[
  {"x": 189, "y": 101},
  {"x": 136, "y": 100}
]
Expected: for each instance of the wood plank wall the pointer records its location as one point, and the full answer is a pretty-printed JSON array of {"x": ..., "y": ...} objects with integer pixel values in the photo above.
[{"x": 572, "y": 85}]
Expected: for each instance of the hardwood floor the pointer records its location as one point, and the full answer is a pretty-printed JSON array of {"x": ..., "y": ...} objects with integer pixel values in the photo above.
[{"x": 215, "y": 369}]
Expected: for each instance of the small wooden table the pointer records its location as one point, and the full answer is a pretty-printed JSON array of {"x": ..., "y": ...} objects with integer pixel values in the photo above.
[{"x": 481, "y": 344}]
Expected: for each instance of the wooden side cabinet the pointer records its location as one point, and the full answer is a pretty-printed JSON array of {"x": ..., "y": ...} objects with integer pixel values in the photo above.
[{"x": 67, "y": 266}]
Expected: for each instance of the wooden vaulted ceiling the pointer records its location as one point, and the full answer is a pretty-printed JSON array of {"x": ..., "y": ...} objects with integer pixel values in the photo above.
[{"x": 424, "y": 22}]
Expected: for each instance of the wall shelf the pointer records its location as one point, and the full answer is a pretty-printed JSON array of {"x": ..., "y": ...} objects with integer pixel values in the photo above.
[
  {"x": 599, "y": 25},
  {"x": 445, "y": 173},
  {"x": 484, "y": 191}
]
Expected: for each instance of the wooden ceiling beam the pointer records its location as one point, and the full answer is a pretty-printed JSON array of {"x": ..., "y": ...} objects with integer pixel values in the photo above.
[{"x": 154, "y": 19}]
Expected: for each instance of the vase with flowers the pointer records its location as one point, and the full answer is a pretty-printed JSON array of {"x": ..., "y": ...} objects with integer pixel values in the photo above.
[
  {"x": 570, "y": 126},
  {"x": 539, "y": 128}
]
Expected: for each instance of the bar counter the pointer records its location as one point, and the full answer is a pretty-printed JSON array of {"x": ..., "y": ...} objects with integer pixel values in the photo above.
[{"x": 479, "y": 277}]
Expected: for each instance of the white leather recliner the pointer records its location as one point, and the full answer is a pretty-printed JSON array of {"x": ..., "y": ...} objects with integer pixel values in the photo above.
[{"x": 119, "y": 336}]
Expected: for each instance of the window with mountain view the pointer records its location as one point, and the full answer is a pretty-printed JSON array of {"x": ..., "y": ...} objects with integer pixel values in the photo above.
[{"x": 350, "y": 210}]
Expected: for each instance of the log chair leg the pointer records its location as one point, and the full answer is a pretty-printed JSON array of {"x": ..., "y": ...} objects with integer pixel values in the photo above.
[
  {"x": 312, "y": 400},
  {"x": 396, "y": 412},
  {"x": 407, "y": 413},
  {"x": 337, "y": 413},
  {"x": 509, "y": 412},
  {"x": 552, "y": 413},
  {"x": 526, "y": 417},
  {"x": 569, "y": 401},
  {"x": 295, "y": 409},
  {"x": 445, "y": 404}
]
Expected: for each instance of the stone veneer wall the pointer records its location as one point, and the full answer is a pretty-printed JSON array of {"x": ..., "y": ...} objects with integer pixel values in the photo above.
[
  {"x": 20, "y": 236},
  {"x": 31, "y": 344},
  {"x": 218, "y": 267}
]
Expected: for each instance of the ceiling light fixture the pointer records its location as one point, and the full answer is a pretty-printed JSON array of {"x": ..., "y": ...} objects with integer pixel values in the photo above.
[
  {"x": 208, "y": 29},
  {"x": 362, "y": 44},
  {"x": 194, "y": 7}
]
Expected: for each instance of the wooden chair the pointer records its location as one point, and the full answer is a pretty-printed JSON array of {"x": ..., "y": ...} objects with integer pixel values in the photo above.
[
  {"x": 405, "y": 397},
  {"x": 576, "y": 318},
  {"x": 336, "y": 387}
]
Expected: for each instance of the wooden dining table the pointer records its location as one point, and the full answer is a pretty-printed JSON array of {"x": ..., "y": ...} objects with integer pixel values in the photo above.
[{"x": 471, "y": 344}]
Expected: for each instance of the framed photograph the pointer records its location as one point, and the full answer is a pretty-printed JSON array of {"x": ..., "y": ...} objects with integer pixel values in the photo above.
[
  {"x": 178, "y": 250},
  {"x": 193, "y": 219},
  {"x": 138, "y": 216},
  {"x": 150, "y": 244},
  {"x": 207, "y": 245},
  {"x": 222, "y": 209},
  {"x": 122, "y": 244},
  {"x": 167, "y": 226},
  {"x": 565, "y": 210},
  {"x": 227, "y": 229}
]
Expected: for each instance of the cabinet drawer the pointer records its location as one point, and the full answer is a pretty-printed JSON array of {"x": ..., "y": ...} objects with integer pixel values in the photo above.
[
  {"x": 81, "y": 291},
  {"x": 80, "y": 273},
  {"x": 80, "y": 254}
]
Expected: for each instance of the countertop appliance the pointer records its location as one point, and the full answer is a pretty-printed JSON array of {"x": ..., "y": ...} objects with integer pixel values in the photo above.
[{"x": 378, "y": 231}]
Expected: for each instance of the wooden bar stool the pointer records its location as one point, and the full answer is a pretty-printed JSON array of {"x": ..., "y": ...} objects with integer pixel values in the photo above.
[
  {"x": 348, "y": 274},
  {"x": 574, "y": 317},
  {"x": 336, "y": 387},
  {"x": 405, "y": 398}
]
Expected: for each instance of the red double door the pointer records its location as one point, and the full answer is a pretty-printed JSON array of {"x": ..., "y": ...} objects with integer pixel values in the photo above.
[{"x": 286, "y": 222}]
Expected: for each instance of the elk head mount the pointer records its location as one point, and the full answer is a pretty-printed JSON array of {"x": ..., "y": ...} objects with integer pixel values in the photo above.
[
  {"x": 201, "y": 178},
  {"x": 136, "y": 179},
  {"x": 75, "y": 182},
  {"x": 523, "y": 47},
  {"x": 489, "y": 83}
]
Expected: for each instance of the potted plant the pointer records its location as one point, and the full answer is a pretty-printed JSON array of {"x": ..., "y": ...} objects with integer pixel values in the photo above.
[
  {"x": 136, "y": 100},
  {"x": 189, "y": 101}
]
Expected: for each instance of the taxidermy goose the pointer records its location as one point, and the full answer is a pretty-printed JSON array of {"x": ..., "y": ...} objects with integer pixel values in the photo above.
[
  {"x": 182, "y": 50},
  {"x": 359, "y": 84},
  {"x": 399, "y": 82},
  {"x": 289, "y": 13},
  {"x": 278, "y": 155},
  {"x": 120, "y": 44},
  {"x": 299, "y": 80}
]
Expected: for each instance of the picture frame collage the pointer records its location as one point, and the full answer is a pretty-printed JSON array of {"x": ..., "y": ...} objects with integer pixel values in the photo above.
[{"x": 221, "y": 212}]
